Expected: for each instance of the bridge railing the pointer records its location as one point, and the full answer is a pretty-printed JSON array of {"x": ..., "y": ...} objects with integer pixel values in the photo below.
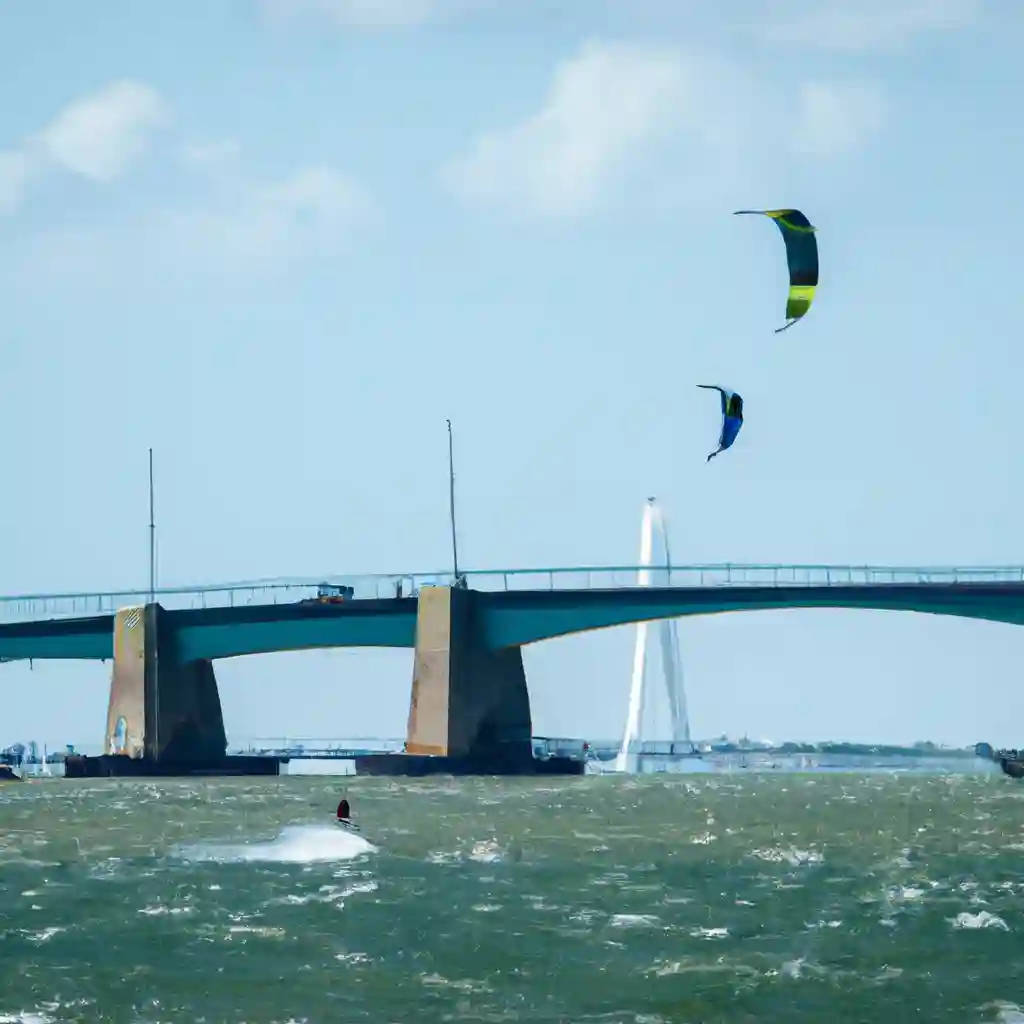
[{"x": 287, "y": 591}]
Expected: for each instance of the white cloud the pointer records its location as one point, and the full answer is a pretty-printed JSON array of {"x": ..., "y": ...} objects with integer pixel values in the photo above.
[
  {"x": 313, "y": 208},
  {"x": 383, "y": 14},
  {"x": 100, "y": 135},
  {"x": 263, "y": 230},
  {"x": 834, "y": 24},
  {"x": 208, "y": 156},
  {"x": 856, "y": 25},
  {"x": 97, "y": 136},
  {"x": 15, "y": 170},
  {"x": 603, "y": 106},
  {"x": 317, "y": 195},
  {"x": 836, "y": 118}
]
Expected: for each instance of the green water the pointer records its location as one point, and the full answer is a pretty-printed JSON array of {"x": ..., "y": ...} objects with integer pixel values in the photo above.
[{"x": 712, "y": 898}]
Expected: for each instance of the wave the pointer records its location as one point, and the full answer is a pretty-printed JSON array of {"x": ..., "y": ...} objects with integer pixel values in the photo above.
[{"x": 296, "y": 844}]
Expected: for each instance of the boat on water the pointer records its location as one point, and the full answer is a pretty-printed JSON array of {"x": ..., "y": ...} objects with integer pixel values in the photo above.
[
  {"x": 8, "y": 774},
  {"x": 1011, "y": 761},
  {"x": 347, "y": 826}
]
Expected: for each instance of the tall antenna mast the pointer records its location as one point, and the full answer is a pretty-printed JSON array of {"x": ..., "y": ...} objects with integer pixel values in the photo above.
[
  {"x": 152, "y": 534},
  {"x": 451, "y": 503}
]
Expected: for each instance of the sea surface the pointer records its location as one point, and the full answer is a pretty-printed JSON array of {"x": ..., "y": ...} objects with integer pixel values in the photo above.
[{"x": 713, "y": 898}]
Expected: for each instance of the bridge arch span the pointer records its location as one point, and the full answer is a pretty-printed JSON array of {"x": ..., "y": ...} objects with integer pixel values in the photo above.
[{"x": 514, "y": 619}]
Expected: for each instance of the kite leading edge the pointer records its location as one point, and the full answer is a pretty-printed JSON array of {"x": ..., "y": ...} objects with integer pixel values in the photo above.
[
  {"x": 802, "y": 256},
  {"x": 732, "y": 417}
]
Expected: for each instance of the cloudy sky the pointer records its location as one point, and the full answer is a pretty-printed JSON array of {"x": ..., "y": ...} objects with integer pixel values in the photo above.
[{"x": 283, "y": 241}]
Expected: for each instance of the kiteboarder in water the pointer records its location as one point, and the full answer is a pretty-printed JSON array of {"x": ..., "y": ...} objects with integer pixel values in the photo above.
[{"x": 345, "y": 817}]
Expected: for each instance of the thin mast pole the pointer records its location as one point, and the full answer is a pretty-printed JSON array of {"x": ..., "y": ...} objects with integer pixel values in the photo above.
[
  {"x": 152, "y": 534},
  {"x": 451, "y": 503},
  {"x": 154, "y": 750}
]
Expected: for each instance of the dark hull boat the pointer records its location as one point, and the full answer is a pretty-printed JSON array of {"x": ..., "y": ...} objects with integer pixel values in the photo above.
[{"x": 1010, "y": 761}]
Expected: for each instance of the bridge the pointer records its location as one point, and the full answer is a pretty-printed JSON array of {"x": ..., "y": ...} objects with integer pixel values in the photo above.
[{"x": 469, "y": 693}]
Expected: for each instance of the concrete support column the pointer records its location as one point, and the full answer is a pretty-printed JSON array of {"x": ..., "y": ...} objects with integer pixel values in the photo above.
[
  {"x": 467, "y": 701},
  {"x": 161, "y": 708}
]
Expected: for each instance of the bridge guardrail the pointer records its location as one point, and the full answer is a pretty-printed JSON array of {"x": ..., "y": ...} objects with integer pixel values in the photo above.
[{"x": 23, "y": 607}]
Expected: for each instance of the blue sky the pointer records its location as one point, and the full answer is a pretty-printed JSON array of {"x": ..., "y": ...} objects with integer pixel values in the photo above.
[{"x": 281, "y": 242}]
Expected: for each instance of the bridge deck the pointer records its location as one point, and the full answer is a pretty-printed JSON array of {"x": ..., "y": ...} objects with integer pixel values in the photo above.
[
  {"x": 32, "y": 607},
  {"x": 506, "y": 618}
]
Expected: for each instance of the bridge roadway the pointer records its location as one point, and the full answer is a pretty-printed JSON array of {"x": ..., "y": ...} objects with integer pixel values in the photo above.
[{"x": 512, "y": 607}]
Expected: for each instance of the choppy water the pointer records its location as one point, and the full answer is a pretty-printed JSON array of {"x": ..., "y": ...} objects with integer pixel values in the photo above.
[{"x": 714, "y": 898}]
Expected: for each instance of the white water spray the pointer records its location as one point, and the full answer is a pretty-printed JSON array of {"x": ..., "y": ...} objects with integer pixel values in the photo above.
[{"x": 296, "y": 844}]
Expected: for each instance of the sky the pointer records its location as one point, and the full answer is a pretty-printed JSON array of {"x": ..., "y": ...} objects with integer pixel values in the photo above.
[{"x": 282, "y": 241}]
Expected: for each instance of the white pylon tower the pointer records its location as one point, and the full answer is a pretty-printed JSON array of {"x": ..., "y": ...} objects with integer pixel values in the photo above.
[{"x": 654, "y": 574}]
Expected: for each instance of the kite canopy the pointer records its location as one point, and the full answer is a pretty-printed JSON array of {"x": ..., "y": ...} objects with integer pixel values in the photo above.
[
  {"x": 732, "y": 417},
  {"x": 802, "y": 256}
]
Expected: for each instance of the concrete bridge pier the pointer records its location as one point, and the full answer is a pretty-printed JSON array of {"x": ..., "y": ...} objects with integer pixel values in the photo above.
[
  {"x": 467, "y": 701},
  {"x": 469, "y": 713},
  {"x": 161, "y": 708},
  {"x": 164, "y": 715}
]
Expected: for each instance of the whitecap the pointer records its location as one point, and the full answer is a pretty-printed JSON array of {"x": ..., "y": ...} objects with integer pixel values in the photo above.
[
  {"x": 791, "y": 856},
  {"x": 444, "y": 857},
  {"x": 983, "y": 919},
  {"x": 353, "y": 958},
  {"x": 907, "y": 892},
  {"x": 633, "y": 921},
  {"x": 262, "y": 931},
  {"x": 1006, "y": 1013},
  {"x": 297, "y": 844},
  {"x": 486, "y": 851},
  {"x": 467, "y": 985},
  {"x": 793, "y": 968}
]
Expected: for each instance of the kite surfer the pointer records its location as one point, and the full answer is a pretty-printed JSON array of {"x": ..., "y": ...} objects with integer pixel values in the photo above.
[{"x": 344, "y": 817}]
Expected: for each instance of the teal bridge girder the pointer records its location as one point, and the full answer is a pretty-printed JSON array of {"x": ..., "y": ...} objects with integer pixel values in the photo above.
[
  {"x": 287, "y": 590},
  {"x": 264, "y": 616}
]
